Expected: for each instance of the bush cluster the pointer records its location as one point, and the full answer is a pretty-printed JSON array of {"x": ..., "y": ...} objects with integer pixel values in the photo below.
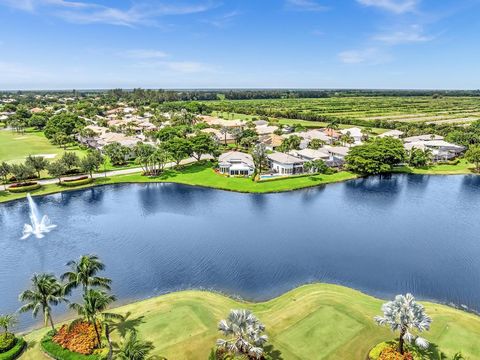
[
  {"x": 77, "y": 182},
  {"x": 388, "y": 351},
  {"x": 57, "y": 352},
  {"x": 15, "y": 351},
  {"x": 19, "y": 188},
  {"x": 7, "y": 341},
  {"x": 78, "y": 337}
]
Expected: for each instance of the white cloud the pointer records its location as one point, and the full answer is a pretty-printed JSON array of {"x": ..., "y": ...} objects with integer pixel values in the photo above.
[
  {"x": 144, "y": 54},
  {"x": 223, "y": 20},
  {"x": 305, "y": 5},
  {"x": 369, "y": 55},
  {"x": 88, "y": 13},
  {"x": 395, "y": 6},
  {"x": 412, "y": 34}
]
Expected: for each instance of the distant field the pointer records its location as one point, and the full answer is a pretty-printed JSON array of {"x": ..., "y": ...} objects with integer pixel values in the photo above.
[
  {"x": 444, "y": 110},
  {"x": 15, "y": 147}
]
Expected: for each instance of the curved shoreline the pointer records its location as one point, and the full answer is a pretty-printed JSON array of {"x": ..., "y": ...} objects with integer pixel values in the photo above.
[
  {"x": 338, "y": 307},
  {"x": 217, "y": 182}
]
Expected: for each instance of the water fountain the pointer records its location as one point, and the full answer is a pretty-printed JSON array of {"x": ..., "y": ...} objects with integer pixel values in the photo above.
[{"x": 38, "y": 226}]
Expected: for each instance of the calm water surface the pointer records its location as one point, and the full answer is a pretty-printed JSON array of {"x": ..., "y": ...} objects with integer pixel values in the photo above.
[{"x": 380, "y": 235}]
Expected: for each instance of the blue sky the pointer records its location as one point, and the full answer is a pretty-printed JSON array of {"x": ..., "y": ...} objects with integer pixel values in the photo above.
[{"x": 62, "y": 44}]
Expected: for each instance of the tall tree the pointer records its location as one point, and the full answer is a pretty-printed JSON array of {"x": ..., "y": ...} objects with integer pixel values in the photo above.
[
  {"x": 70, "y": 160},
  {"x": 202, "y": 144},
  {"x": 405, "y": 315},
  {"x": 5, "y": 170},
  {"x": 95, "y": 302},
  {"x": 7, "y": 321},
  {"x": 22, "y": 172},
  {"x": 473, "y": 156},
  {"x": 57, "y": 169},
  {"x": 38, "y": 163},
  {"x": 83, "y": 272},
  {"x": 91, "y": 162},
  {"x": 178, "y": 148},
  {"x": 45, "y": 291},
  {"x": 259, "y": 155}
]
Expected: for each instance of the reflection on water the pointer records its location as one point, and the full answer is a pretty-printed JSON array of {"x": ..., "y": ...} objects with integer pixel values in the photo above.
[{"x": 382, "y": 235}]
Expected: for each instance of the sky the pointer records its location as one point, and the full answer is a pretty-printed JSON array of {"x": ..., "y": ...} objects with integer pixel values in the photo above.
[{"x": 371, "y": 44}]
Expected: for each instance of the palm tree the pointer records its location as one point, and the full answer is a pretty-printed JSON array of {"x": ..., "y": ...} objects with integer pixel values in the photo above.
[
  {"x": 45, "y": 291},
  {"x": 7, "y": 321},
  {"x": 224, "y": 132},
  {"x": 259, "y": 156},
  {"x": 244, "y": 332},
  {"x": 132, "y": 348},
  {"x": 405, "y": 315},
  {"x": 83, "y": 273},
  {"x": 95, "y": 302}
]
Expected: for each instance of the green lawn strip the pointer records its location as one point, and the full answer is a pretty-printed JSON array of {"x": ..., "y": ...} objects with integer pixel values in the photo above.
[
  {"x": 15, "y": 147},
  {"x": 463, "y": 167},
  {"x": 318, "y": 321}
]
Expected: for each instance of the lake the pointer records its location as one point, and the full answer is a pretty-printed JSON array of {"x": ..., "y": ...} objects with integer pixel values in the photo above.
[{"x": 381, "y": 235}]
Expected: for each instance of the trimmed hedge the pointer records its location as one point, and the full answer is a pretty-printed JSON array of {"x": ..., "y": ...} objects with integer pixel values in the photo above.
[
  {"x": 26, "y": 188},
  {"x": 7, "y": 341},
  {"x": 73, "y": 183},
  {"x": 57, "y": 352},
  {"x": 15, "y": 351}
]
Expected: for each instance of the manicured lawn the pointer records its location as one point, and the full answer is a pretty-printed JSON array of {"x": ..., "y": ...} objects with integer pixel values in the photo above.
[
  {"x": 203, "y": 175},
  {"x": 318, "y": 321},
  {"x": 15, "y": 147},
  {"x": 463, "y": 167}
]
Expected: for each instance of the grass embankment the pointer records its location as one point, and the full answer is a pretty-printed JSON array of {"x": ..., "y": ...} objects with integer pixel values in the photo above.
[
  {"x": 463, "y": 167},
  {"x": 201, "y": 175},
  {"x": 318, "y": 321}
]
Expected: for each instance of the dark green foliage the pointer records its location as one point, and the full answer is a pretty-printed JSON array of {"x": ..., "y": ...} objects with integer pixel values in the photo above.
[
  {"x": 290, "y": 143},
  {"x": 377, "y": 156},
  {"x": 15, "y": 351},
  {"x": 22, "y": 172},
  {"x": 37, "y": 163},
  {"x": 65, "y": 123},
  {"x": 21, "y": 189},
  {"x": 117, "y": 153},
  {"x": 419, "y": 158},
  {"x": 178, "y": 149},
  {"x": 473, "y": 155},
  {"x": 203, "y": 143}
]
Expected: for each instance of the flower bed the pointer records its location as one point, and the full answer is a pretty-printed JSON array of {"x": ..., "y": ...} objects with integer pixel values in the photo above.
[
  {"x": 57, "y": 352},
  {"x": 24, "y": 187},
  {"x": 388, "y": 351},
  {"x": 15, "y": 351},
  {"x": 83, "y": 180}
]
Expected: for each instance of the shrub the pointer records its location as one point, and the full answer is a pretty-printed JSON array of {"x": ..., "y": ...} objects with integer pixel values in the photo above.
[
  {"x": 76, "y": 179},
  {"x": 15, "y": 351},
  {"x": 76, "y": 182},
  {"x": 388, "y": 351},
  {"x": 78, "y": 337},
  {"x": 7, "y": 341},
  {"x": 57, "y": 352},
  {"x": 19, "y": 188}
]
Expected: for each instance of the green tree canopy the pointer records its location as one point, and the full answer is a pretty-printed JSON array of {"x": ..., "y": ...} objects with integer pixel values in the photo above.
[{"x": 377, "y": 156}]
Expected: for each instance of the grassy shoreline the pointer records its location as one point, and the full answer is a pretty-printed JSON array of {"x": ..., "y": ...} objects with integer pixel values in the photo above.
[
  {"x": 316, "y": 321},
  {"x": 202, "y": 175}
]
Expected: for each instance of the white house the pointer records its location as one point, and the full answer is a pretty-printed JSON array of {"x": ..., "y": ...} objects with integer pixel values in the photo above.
[
  {"x": 355, "y": 133},
  {"x": 285, "y": 164},
  {"x": 311, "y": 154},
  {"x": 392, "y": 133},
  {"x": 441, "y": 150},
  {"x": 236, "y": 163},
  {"x": 427, "y": 137},
  {"x": 337, "y": 154}
]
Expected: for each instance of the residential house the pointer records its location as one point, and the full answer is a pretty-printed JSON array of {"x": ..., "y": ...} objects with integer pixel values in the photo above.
[
  {"x": 311, "y": 154},
  {"x": 236, "y": 163},
  {"x": 355, "y": 133},
  {"x": 396, "y": 134},
  {"x": 219, "y": 136},
  {"x": 285, "y": 164},
  {"x": 337, "y": 154},
  {"x": 426, "y": 137},
  {"x": 441, "y": 150},
  {"x": 271, "y": 141},
  {"x": 214, "y": 121}
]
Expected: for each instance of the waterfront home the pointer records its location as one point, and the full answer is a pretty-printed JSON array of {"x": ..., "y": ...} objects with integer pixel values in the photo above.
[
  {"x": 355, "y": 133},
  {"x": 285, "y": 164},
  {"x": 396, "y": 134},
  {"x": 236, "y": 163},
  {"x": 337, "y": 154},
  {"x": 311, "y": 154},
  {"x": 441, "y": 150},
  {"x": 427, "y": 137}
]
